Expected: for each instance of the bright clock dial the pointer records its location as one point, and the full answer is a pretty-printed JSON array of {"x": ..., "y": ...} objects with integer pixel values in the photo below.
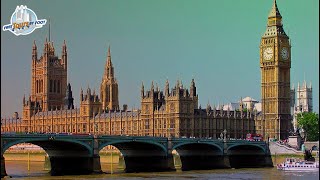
[{"x": 268, "y": 53}]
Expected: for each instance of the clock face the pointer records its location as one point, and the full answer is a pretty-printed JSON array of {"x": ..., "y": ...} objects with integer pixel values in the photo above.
[
  {"x": 268, "y": 53},
  {"x": 284, "y": 53}
]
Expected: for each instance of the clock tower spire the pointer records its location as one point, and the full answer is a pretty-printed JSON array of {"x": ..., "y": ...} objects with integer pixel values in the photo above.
[{"x": 275, "y": 64}]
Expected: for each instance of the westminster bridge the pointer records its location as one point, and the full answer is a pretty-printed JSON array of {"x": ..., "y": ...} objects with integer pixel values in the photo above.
[{"x": 79, "y": 154}]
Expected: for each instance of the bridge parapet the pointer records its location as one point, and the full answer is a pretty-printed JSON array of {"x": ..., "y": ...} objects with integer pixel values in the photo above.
[{"x": 98, "y": 142}]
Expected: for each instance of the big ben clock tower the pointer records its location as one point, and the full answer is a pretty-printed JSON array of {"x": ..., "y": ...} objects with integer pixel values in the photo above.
[{"x": 275, "y": 64}]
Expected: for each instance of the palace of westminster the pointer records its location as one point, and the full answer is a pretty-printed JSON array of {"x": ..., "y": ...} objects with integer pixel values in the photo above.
[{"x": 172, "y": 112}]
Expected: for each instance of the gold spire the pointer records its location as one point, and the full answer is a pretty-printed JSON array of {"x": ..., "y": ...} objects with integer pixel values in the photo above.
[
  {"x": 274, "y": 11},
  {"x": 34, "y": 44},
  {"x": 49, "y": 30},
  {"x": 109, "y": 63},
  {"x": 108, "y": 69}
]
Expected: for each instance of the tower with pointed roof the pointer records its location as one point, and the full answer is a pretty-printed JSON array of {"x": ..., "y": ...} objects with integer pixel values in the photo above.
[
  {"x": 304, "y": 98},
  {"x": 109, "y": 87},
  {"x": 48, "y": 77},
  {"x": 275, "y": 64},
  {"x": 303, "y": 101}
]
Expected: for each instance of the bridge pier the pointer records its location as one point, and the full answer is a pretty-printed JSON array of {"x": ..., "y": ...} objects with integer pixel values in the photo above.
[
  {"x": 47, "y": 164},
  {"x": 226, "y": 158},
  {"x": 268, "y": 158},
  {"x": 226, "y": 161},
  {"x": 170, "y": 162},
  {"x": 177, "y": 162},
  {"x": 122, "y": 163},
  {"x": 3, "y": 167},
  {"x": 96, "y": 166},
  {"x": 268, "y": 161}
]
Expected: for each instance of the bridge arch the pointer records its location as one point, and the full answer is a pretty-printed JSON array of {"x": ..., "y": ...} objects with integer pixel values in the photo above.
[
  {"x": 197, "y": 155},
  {"x": 36, "y": 142},
  {"x": 139, "y": 155},
  {"x": 114, "y": 142},
  {"x": 239, "y": 146},
  {"x": 246, "y": 156},
  {"x": 189, "y": 143},
  {"x": 66, "y": 155}
]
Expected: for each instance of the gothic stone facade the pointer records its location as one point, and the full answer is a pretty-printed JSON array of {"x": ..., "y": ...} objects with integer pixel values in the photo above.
[{"x": 173, "y": 113}]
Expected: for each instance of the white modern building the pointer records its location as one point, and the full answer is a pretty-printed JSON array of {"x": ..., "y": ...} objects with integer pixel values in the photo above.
[{"x": 245, "y": 103}]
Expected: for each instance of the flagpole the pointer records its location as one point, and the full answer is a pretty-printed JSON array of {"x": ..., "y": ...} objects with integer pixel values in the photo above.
[{"x": 49, "y": 29}]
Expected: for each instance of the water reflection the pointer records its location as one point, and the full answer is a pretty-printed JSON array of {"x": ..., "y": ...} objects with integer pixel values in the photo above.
[{"x": 19, "y": 170}]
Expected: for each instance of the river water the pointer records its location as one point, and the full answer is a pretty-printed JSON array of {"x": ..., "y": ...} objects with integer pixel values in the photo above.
[{"x": 19, "y": 170}]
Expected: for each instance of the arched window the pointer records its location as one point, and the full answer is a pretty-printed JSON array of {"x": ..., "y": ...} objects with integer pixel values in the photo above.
[
  {"x": 58, "y": 86},
  {"x": 40, "y": 86},
  {"x": 36, "y": 86},
  {"x": 54, "y": 86},
  {"x": 50, "y": 88},
  {"x": 108, "y": 94}
]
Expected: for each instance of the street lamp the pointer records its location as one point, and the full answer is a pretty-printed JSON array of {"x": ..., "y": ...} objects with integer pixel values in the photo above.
[
  {"x": 303, "y": 134},
  {"x": 169, "y": 131},
  {"x": 122, "y": 130},
  {"x": 95, "y": 128},
  {"x": 225, "y": 135},
  {"x": 221, "y": 136}
]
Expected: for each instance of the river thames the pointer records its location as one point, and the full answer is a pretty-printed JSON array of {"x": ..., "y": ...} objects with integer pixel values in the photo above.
[{"x": 18, "y": 170}]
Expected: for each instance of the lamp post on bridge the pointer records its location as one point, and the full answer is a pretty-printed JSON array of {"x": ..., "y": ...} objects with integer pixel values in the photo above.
[
  {"x": 169, "y": 131},
  {"x": 122, "y": 130},
  {"x": 95, "y": 128},
  {"x": 225, "y": 135}
]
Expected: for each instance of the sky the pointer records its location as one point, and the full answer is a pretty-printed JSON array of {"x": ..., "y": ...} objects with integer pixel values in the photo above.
[{"x": 215, "y": 42}]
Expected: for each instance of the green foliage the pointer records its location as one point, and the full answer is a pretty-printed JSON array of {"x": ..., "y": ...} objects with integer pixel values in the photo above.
[{"x": 309, "y": 121}]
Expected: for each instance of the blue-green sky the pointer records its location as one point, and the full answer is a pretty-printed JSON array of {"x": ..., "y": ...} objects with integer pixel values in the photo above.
[{"x": 216, "y": 42}]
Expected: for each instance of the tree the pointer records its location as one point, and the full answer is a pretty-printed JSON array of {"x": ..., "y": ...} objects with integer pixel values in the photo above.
[{"x": 309, "y": 122}]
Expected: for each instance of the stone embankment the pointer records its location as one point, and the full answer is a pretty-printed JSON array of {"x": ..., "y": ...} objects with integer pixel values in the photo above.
[{"x": 276, "y": 148}]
